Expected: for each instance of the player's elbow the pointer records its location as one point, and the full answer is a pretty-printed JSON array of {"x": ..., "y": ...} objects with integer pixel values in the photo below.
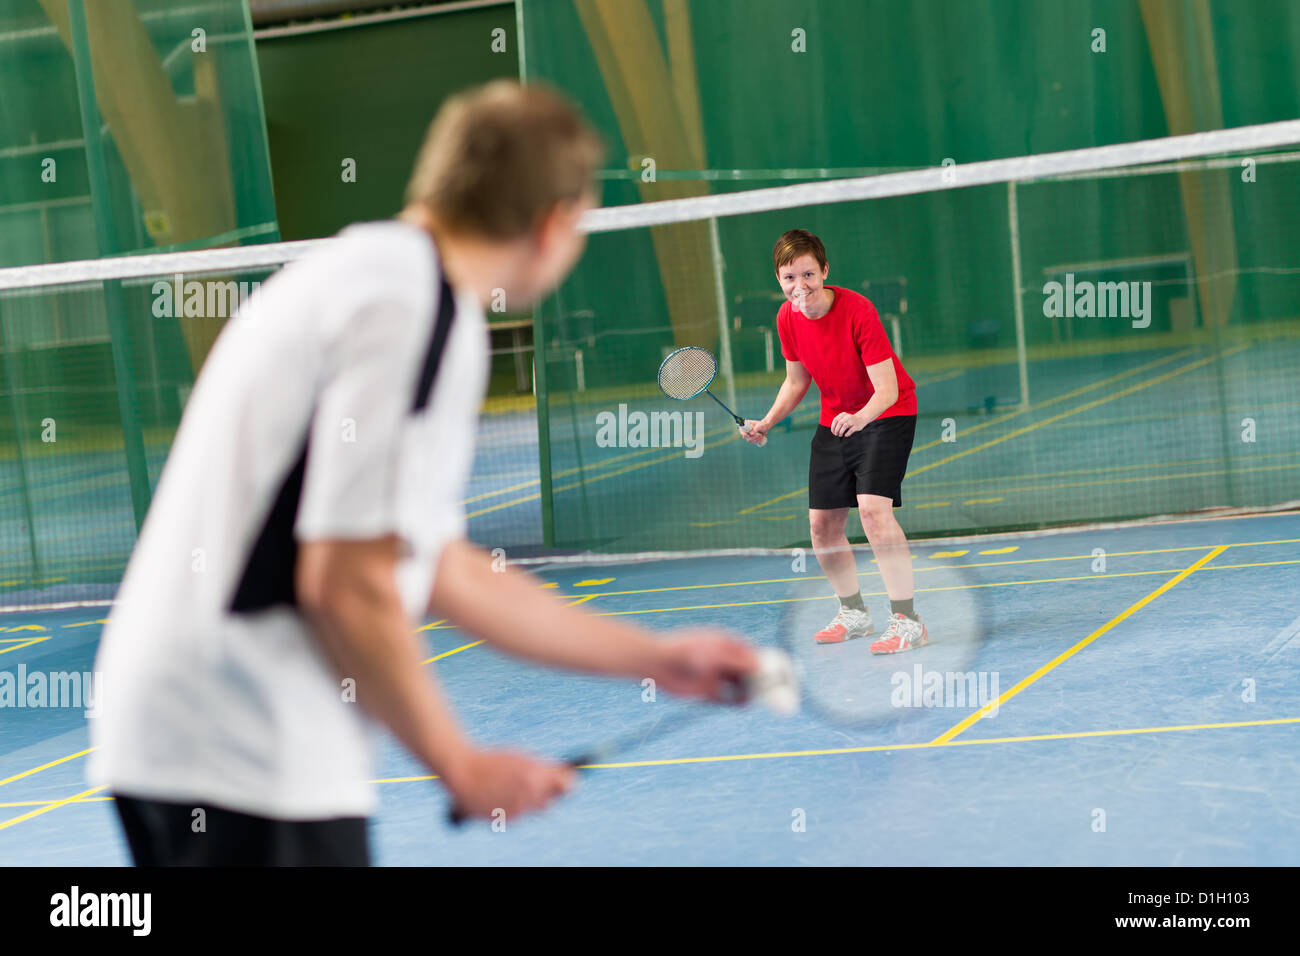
[
  {"x": 463, "y": 581},
  {"x": 312, "y": 577},
  {"x": 332, "y": 578}
]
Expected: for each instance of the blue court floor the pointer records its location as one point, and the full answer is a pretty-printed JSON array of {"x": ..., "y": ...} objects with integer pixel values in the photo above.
[{"x": 1148, "y": 713}]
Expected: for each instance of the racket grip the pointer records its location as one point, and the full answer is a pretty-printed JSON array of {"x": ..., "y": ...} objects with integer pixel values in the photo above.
[
  {"x": 747, "y": 429},
  {"x": 456, "y": 817}
]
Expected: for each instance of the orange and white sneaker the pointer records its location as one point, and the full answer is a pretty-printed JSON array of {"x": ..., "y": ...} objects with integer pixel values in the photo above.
[
  {"x": 903, "y": 634},
  {"x": 848, "y": 624}
]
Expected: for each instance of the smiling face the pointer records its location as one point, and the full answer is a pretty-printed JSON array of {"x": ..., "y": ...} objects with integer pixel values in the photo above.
[{"x": 802, "y": 280}]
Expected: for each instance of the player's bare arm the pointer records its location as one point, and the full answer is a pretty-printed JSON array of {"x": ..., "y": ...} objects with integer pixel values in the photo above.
[
  {"x": 793, "y": 389},
  {"x": 508, "y": 610},
  {"x": 348, "y": 591},
  {"x": 885, "y": 382}
]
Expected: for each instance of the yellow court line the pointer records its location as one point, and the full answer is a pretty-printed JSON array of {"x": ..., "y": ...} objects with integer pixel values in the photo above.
[
  {"x": 675, "y": 453},
  {"x": 1092, "y": 386},
  {"x": 936, "y": 744},
  {"x": 928, "y": 745},
  {"x": 1059, "y": 486},
  {"x": 938, "y": 567},
  {"x": 1186, "y": 413},
  {"x": 54, "y": 763},
  {"x": 944, "y": 740},
  {"x": 837, "y": 751},
  {"x": 602, "y": 463},
  {"x": 1086, "y": 406},
  {"x": 27, "y": 643},
  {"x": 14, "y": 805},
  {"x": 710, "y": 433},
  {"x": 504, "y": 504},
  {"x": 1065, "y": 397},
  {"x": 1140, "y": 478},
  {"x": 502, "y": 491},
  {"x": 463, "y": 647},
  {"x": 954, "y": 587},
  {"x": 727, "y": 430},
  {"x": 752, "y": 508},
  {"x": 444, "y": 626},
  {"x": 45, "y": 766},
  {"x": 1260, "y": 564},
  {"x": 1049, "y": 487},
  {"x": 1067, "y": 654},
  {"x": 46, "y": 809},
  {"x": 1075, "y": 472},
  {"x": 946, "y": 376}
]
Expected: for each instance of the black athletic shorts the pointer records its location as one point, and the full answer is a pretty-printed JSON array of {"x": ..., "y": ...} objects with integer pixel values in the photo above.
[
  {"x": 163, "y": 834},
  {"x": 870, "y": 462}
]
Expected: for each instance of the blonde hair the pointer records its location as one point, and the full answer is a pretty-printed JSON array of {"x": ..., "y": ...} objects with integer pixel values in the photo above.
[{"x": 498, "y": 158}]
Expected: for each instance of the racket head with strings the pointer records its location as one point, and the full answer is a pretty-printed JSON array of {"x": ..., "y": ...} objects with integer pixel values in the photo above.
[
  {"x": 846, "y": 686},
  {"x": 688, "y": 372}
]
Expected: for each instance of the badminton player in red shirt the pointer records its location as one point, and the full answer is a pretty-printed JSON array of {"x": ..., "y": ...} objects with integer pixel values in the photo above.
[{"x": 833, "y": 336}]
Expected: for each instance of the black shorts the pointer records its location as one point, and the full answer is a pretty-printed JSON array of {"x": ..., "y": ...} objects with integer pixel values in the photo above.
[
  {"x": 870, "y": 462},
  {"x": 163, "y": 834}
]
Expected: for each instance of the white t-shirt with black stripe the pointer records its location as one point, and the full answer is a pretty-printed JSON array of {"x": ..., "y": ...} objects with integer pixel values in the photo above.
[{"x": 206, "y": 701}]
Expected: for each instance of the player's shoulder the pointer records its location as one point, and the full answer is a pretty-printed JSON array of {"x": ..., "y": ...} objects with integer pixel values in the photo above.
[
  {"x": 858, "y": 305},
  {"x": 391, "y": 265},
  {"x": 854, "y": 300},
  {"x": 382, "y": 256}
]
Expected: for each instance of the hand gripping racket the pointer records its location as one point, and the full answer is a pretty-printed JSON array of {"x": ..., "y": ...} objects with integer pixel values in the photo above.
[
  {"x": 686, "y": 372},
  {"x": 773, "y": 685}
]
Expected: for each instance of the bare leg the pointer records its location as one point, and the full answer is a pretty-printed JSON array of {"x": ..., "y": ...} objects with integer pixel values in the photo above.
[
  {"x": 893, "y": 556},
  {"x": 838, "y": 564}
]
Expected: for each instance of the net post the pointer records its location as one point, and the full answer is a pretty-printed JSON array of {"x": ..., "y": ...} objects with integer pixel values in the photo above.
[
  {"x": 541, "y": 396},
  {"x": 1022, "y": 362},
  {"x": 133, "y": 437},
  {"x": 720, "y": 292},
  {"x": 15, "y": 396}
]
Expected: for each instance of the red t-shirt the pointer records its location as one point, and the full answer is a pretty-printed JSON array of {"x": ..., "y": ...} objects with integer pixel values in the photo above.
[{"x": 836, "y": 350}]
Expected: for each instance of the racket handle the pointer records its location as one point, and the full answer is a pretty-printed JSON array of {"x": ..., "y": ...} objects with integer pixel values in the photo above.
[
  {"x": 735, "y": 691},
  {"x": 749, "y": 428},
  {"x": 456, "y": 817}
]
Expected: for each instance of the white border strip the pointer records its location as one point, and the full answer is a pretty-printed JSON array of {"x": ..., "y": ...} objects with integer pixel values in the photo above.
[
  {"x": 1020, "y": 169},
  {"x": 916, "y": 544},
  {"x": 598, "y": 558},
  {"x": 188, "y": 262},
  {"x": 370, "y": 19},
  {"x": 1239, "y": 139}
]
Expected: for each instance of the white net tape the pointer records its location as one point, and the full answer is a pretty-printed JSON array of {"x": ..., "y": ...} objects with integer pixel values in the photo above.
[{"x": 1238, "y": 140}]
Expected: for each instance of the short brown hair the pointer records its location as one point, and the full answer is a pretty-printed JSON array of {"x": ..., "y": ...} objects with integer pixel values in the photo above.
[
  {"x": 499, "y": 157},
  {"x": 796, "y": 243}
]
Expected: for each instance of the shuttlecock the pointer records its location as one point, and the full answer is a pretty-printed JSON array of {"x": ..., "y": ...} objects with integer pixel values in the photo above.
[{"x": 775, "y": 686}]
